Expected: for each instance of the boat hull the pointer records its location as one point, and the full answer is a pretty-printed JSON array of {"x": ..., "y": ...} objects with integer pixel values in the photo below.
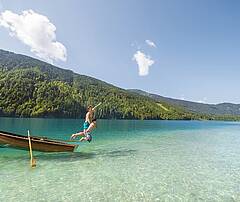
[{"x": 38, "y": 143}]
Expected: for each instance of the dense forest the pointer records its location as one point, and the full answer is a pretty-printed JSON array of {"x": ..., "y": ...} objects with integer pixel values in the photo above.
[
  {"x": 196, "y": 107},
  {"x": 32, "y": 88}
]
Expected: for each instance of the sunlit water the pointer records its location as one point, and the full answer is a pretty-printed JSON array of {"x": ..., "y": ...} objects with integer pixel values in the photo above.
[{"x": 126, "y": 161}]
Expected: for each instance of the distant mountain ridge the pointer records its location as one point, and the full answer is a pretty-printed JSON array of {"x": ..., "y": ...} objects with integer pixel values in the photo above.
[
  {"x": 32, "y": 88},
  {"x": 195, "y": 107}
]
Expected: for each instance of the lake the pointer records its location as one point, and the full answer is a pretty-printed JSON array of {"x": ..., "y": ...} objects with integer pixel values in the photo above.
[{"x": 126, "y": 161}]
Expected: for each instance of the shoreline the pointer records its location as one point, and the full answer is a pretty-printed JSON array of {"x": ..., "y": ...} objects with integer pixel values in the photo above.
[{"x": 81, "y": 118}]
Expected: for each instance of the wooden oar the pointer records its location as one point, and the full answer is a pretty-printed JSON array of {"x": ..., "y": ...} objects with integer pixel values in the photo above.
[{"x": 32, "y": 160}]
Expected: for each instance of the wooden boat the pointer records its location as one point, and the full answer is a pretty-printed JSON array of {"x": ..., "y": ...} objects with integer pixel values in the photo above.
[{"x": 42, "y": 144}]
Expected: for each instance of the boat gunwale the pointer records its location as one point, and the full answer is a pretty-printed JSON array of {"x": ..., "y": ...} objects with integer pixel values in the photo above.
[{"x": 37, "y": 139}]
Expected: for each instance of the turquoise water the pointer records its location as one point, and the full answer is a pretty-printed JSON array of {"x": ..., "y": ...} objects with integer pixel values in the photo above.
[{"x": 126, "y": 161}]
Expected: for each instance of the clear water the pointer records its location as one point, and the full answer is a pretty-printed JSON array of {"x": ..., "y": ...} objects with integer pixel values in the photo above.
[{"x": 126, "y": 161}]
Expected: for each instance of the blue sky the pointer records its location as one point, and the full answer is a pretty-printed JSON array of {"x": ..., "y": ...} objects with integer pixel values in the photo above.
[{"x": 197, "y": 53}]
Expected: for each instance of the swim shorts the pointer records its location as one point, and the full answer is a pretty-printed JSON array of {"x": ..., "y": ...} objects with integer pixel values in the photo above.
[{"x": 86, "y": 125}]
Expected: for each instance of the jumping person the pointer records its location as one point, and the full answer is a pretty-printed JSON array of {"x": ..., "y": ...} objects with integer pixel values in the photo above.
[
  {"x": 89, "y": 116},
  {"x": 88, "y": 124},
  {"x": 86, "y": 135}
]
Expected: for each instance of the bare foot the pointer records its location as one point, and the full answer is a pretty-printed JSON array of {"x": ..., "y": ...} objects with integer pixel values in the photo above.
[{"x": 73, "y": 136}]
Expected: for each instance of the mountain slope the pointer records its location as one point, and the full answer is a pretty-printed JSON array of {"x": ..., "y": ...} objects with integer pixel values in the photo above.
[
  {"x": 212, "y": 109},
  {"x": 32, "y": 88}
]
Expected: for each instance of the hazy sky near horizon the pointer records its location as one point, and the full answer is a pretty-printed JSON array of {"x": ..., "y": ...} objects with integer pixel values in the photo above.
[{"x": 184, "y": 49}]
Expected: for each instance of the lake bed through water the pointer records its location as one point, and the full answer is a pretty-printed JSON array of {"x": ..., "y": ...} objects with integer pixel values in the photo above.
[{"x": 126, "y": 161}]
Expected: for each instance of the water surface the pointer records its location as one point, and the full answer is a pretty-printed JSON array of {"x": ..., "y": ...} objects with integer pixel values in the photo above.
[{"x": 126, "y": 161}]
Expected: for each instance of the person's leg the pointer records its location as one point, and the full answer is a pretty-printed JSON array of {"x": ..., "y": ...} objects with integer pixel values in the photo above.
[
  {"x": 90, "y": 128},
  {"x": 83, "y": 139},
  {"x": 87, "y": 137},
  {"x": 78, "y": 134}
]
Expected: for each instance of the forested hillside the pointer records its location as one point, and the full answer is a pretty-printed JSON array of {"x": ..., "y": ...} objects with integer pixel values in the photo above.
[
  {"x": 195, "y": 107},
  {"x": 32, "y": 88}
]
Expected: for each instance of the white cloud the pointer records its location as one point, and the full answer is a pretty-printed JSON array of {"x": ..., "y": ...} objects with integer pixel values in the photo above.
[
  {"x": 36, "y": 31},
  {"x": 144, "y": 62},
  {"x": 150, "y": 43}
]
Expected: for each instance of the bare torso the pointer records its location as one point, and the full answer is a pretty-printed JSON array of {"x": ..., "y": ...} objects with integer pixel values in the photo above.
[{"x": 89, "y": 117}]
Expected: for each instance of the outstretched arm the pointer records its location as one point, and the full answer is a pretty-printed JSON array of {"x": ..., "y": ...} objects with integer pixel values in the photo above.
[{"x": 94, "y": 108}]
